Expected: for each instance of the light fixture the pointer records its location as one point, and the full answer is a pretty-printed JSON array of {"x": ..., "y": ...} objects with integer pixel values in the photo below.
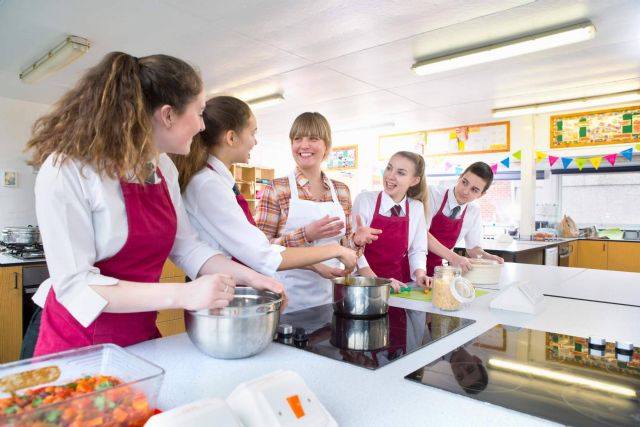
[
  {"x": 507, "y": 49},
  {"x": 266, "y": 101},
  {"x": 562, "y": 377},
  {"x": 70, "y": 49},
  {"x": 568, "y": 104}
]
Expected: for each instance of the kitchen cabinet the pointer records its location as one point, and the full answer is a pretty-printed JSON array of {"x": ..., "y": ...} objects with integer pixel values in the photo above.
[
  {"x": 592, "y": 254},
  {"x": 568, "y": 254},
  {"x": 171, "y": 322},
  {"x": 623, "y": 256},
  {"x": 10, "y": 313},
  {"x": 251, "y": 181},
  {"x": 614, "y": 255}
]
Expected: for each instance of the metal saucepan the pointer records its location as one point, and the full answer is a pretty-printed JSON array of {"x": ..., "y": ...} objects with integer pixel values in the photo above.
[
  {"x": 351, "y": 333},
  {"x": 244, "y": 328},
  {"x": 21, "y": 235},
  {"x": 361, "y": 296}
]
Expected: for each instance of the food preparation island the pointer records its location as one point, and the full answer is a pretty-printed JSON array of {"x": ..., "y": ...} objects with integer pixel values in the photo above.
[{"x": 357, "y": 396}]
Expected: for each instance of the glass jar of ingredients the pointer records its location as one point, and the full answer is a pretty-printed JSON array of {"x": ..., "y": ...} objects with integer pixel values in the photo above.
[{"x": 450, "y": 289}]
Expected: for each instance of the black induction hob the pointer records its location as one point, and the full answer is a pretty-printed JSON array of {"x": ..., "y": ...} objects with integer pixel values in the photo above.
[
  {"x": 369, "y": 343},
  {"x": 562, "y": 378}
]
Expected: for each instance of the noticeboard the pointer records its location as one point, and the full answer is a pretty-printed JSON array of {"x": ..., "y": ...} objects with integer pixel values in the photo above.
[
  {"x": 604, "y": 127},
  {"x": 469, "y": 139}
]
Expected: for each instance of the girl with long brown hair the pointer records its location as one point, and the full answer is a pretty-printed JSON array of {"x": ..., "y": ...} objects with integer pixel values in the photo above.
[
  {"x": 109, "y": 208},
  {"x": 216, "y": 208}
]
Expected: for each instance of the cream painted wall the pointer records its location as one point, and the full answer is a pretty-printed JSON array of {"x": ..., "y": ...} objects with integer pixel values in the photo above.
[{"x": 17, "y": 205}]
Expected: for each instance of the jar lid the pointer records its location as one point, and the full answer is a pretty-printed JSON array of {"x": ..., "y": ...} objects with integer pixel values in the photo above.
[
  {"x": 462, "y": 289},
  {"x": 447, "y": 268}
]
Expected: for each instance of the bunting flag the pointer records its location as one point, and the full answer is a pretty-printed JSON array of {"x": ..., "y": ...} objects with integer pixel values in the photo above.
[
  {"x": 447, "y": 166},
  {"x": 517, "y": 154},
  {"x": 595, "y": 161},
  {"x": 580, "y": 163},
  {"x": 494, "y": 168},
  {"x": 628, "y": 153},
  {"x": 505, "y": 162},
  {"x": 458, "y": 170},
  {"x": 566, "y": 161},
  {"x": 552, "y": 160},
  {"x": 638, "y": 147},
  {"x": 611, "y": 158},
  {"x": 540, "y": 156}
]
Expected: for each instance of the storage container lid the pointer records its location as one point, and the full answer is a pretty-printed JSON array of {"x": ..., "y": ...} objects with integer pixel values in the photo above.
[{"x": 462, "y": 289}]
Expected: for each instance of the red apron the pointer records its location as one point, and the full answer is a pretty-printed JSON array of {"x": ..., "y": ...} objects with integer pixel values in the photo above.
[
  {"x": 152, "y": 227},
  {"x": 446, "y": 230},
  {"x": 242, "y": 202},
  {"x": 388, "y": 258}
]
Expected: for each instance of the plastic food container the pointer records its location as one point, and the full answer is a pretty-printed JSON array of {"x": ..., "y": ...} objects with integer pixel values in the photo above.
[
  {"x": 450, "y": 289},
  {"x": 130, "y": 403},
  {"x": 484, "y": 272}
]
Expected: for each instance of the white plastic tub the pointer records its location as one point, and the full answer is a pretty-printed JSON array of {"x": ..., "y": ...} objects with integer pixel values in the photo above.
[{"x": 484, "y": 272}]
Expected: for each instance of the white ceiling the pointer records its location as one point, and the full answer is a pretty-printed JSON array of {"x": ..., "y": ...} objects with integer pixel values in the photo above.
[{"x": 349, "y": 60}]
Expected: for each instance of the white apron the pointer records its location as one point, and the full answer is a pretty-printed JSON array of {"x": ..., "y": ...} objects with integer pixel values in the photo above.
[{"x": 304, "y": 287}]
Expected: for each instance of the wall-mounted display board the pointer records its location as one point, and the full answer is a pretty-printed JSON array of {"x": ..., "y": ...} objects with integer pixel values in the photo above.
[
  {"x": 388, "y": 145},
  {"x": 604, "y": 127},
  {"x": 470, "y": 139},
  {"x": 343, "y": 158}
]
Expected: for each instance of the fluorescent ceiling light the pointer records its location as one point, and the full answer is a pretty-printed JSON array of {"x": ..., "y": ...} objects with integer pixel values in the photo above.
[
  {"x": 562, "y": 377},
  {"x": 568, "y": 104},
  {"x": 266, "y": 101},
  {"x": 507, "y": 49},
  {"x": 63, "y": 54}
]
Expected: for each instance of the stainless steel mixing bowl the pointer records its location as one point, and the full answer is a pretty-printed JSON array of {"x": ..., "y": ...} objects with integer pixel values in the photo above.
[{"x": 244, "y": 328}]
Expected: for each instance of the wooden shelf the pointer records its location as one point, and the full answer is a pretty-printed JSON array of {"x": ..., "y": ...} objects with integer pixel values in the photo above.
[{"x": 247, "y": 178}]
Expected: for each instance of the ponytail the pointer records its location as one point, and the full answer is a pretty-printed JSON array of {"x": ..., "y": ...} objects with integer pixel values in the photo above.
[
  {"x": 105, "y": 119},
  {"x": 419, "y": 191},
  {"x": 221, "y": 114}
]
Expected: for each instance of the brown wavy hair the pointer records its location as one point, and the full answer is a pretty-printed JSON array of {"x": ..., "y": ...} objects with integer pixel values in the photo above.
[
  {"x": 105, "y": 120},
  {"x": 419, "y": 191},
  {"x": 221, "y": 114}
]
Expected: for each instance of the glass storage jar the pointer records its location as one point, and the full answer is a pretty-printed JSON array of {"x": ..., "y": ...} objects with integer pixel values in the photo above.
[{"x": 450, "y": 289}]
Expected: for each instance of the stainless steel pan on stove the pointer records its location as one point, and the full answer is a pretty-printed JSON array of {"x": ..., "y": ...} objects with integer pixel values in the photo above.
[
  {"x": 26, "y": 236},
  {"x": 361, "y": 296}
]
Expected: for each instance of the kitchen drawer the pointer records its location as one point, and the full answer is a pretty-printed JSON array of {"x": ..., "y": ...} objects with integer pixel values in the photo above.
[{"x": 171, "y": 270}]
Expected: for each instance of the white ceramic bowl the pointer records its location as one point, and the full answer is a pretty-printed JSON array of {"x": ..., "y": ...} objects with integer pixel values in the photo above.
[{"x": 484, "y": 272}]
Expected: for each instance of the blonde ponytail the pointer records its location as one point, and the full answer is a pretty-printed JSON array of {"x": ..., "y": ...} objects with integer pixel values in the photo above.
[{"x": 419, "y": 191}]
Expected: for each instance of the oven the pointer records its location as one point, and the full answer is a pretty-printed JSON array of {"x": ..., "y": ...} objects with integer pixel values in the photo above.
[
  {"x": 564, "y": 253},
  {"x": 32, "y": 277}
]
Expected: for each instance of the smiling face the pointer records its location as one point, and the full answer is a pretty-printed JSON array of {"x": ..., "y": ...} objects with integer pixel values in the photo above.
[
  {"x": 469, "y": 188},
  {"x": 308, "y": 151},
  {"x": 245, "y": 140},
  {"x": 399, "y": 175},
  {"x": 173, "y": 132}
]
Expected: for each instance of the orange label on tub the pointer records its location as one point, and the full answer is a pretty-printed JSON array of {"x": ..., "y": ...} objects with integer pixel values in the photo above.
[{"x": 295, "y": 405}]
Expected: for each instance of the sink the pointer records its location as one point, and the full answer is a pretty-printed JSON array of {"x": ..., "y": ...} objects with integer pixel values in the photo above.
[{"x": 631, "y": 235}]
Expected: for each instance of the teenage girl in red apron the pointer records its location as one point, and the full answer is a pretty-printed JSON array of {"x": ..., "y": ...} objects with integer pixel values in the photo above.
[
  {"x": 94, "y": 149},
  {"x": 209, "y": 188},
  {"x": 389, "y": 256}
]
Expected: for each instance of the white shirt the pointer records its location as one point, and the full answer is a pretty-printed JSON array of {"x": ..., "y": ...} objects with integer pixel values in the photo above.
[
  {"x": 215, "y": 214},
  {"x": 82, "y": 220},
  {"x": 471, "y": 230},
  {"x": 364, "y": 206}
]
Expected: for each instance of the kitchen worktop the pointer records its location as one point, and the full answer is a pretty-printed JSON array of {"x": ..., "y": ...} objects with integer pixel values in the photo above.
[
  {"x": 518, "y": 245},
  {"x": 8, "y": 261},
  {"x": 357, "y": 396}
]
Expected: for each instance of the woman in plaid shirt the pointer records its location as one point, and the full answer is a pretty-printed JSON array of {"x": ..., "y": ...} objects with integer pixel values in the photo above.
[{"x": 306, "y": 208}]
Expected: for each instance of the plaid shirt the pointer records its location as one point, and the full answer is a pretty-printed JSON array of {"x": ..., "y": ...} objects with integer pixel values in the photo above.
[{"x": 273, "y": 210}]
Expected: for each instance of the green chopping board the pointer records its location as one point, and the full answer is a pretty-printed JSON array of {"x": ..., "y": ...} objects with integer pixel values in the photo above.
[{"x": 420, "y": 295}]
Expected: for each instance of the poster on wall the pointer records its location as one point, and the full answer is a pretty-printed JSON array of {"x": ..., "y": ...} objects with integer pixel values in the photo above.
[
  {"x": 343, "y": 158},
  {"x": 604, "y": 127},
  {"x": 469, "y": 139},
  {"x": 410, "y": 141}
]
